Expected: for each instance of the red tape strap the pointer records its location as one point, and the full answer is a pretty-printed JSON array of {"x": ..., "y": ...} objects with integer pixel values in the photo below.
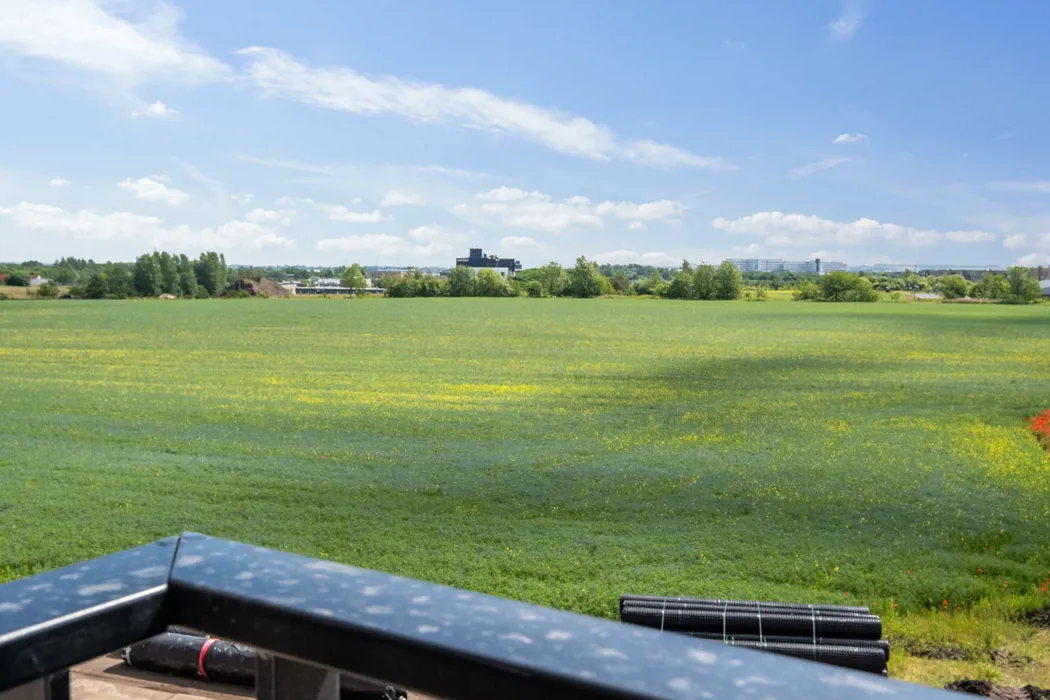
[{"x": 200, "y": 660}]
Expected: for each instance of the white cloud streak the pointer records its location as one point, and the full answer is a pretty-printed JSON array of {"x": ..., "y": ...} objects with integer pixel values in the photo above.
[
  {"x": 779, "y": 229},
  {"x": 59, "y": 182},
  {"x": 145, "y": 231},
  {"x": 84, "y": 35},
  {"x": 337, "y": 212},
  {"x": 625, "y": 257},
  {"x": 281, "y": 75},
  {"x": 817, "y": 166},
  {"x": 538, "y": 211},
  {"x": 848, "y": 21},
  {"x": 520, "y": 242},
  {"x": 397, "y": 198},
  {"x": 280, "y": 216},
  {"x": 850, "y": 138},
  {"x": 242, "y": 198},
  {"x": 152, "y": 190}
]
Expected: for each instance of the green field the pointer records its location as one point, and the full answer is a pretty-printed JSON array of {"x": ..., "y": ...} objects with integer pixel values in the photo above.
[{"x": 556, "y": 451}]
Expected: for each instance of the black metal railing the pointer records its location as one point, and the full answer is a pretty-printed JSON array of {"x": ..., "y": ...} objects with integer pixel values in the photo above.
[{"x": 313, "y": 619}]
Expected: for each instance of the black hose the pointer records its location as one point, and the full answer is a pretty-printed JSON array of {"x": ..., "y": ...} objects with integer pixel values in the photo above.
[
  {"x": 719, "y": 607},
  {"x": 735, "y": 621},
  {"x": 873, "y": 643},
  {"x": 869, "y": 659},
  {"x": 662, "y": 601},
  {"x": 225, "y": 662}
]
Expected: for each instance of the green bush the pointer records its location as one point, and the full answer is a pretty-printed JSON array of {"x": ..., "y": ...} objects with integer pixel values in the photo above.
[
  {"x": 17, "y": 279},
  {"x": 48, "y": 290},
  {"x": 533, "y": 289}
]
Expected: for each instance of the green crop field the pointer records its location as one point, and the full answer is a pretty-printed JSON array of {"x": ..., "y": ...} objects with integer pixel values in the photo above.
[{"x": 555, "y": 451}]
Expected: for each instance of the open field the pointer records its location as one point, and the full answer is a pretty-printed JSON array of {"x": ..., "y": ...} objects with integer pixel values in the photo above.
[{"x": 557, "y": 451}]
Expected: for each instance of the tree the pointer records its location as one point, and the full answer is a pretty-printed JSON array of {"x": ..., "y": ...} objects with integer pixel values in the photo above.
[
  {"x": 17, "y": 279},
  {"x": 953, "y": 286},
  {"x": 863, "y": 291},
  {"x": 704, "y": 282},
  {"x": 681, "y": 286},
  {"x": 991, "y": 286},
  {"x": 64, "y": 275},
  {"x": 533, "y": 289},
  {"x": 187, "y": 277},
  {"x": 1023, "y": 288},
  {"x": 490, "y": 283},
  {"x": 686, "y": 267},
  {"x": 728, "y": 281},
  {"x": 585, "y": 279},
  {"x": 118, "y": 280},
  {"x": 353, "y": 277},
  {"x": 837, "y": 286},
  {"x": 212, "y": 272},
  {"x": 620, "y": 283},
  {"x": 553, "y": 279},
  {"x": 461, "y": 282},
  {"x": 807, "y": 291},
  {"x": 169, "y": 274},
  {"x": 96, "y": 287},
  {"x": 145, "y": 277}
]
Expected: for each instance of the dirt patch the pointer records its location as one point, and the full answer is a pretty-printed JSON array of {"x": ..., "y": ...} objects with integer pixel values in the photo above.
[
  {"x": 998, "y": 692},
  {"x": 931, "y": 651},
  {"x": 1040, "y": 618},
  {"x": 258, "y": 286},
  {"x": 1004, "y": 657}
]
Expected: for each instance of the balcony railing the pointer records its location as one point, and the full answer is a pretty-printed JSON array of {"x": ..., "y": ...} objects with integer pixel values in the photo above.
[{"x": 312, "y": 620}]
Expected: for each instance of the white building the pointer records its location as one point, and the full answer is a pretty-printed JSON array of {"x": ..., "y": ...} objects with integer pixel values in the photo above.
[{"x": 774, "y": 265}]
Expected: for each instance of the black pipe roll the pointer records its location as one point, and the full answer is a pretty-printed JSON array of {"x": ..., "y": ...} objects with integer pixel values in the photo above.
[
  {"x": 763, "y": 608},
  {"x": 642, "y": 600},
  {"x": 748, "y": 622},
  {"x": 868, "y": 659},
  {"x": 225, "y": 662},
  {"x": 873, "y": 643}
]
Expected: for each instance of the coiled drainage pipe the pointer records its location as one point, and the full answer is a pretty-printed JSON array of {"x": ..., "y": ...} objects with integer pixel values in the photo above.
[
  {"x": 847, "y": 636},
  {"x": 192, "y": 656}
]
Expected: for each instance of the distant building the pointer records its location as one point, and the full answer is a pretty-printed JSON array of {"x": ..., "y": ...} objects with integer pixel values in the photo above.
[
  {"x": 477, "y": 261},
  {"x": 1044, "y": 287},
  {"x": 775, "y": 265},
  {"x": 37, "y": 280}
]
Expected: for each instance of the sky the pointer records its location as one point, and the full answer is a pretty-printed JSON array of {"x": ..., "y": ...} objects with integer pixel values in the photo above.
[{"x": 406, "y": 131}]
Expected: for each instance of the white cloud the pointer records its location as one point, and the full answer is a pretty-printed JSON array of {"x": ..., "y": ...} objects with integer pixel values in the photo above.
[
  {"x": 281, "y": 216},
  {"x": 850, "y": 138},
  {"x": 637, "y": 226},
  {"x": 337, "y": 212},
  {"x": 629, "y": 256},
  {"x": 242, "y": 198},
  {"x": 436, "y": 240},
  {"x": 396, "y": 198},
  {"x": 1034, "y": 260},
  {"x": 381, "y": 243},
  {"x": 59, "y": 182},
  {"x": 158, "y": 110},
  {"x": 145, "y": 231},
  {"x": 1035, "y": 186},
  {"x": 648, "y": 211},
  {"x": 817, "y": 166},
  {"x": 279, "y": 74},
  {"x": 153, "y": 190},
  {"x": 1018, "y": 240},
  {"x": 848, "y": 21},
  {"x": 520, "y": 242},
  {"x": 777, "y": 228},
  {"x": 970, "y": 236},
  {"x": 538, "y": 211},
  {"x": 535, "y": 210},
  {"x": 83, "y": 34}
]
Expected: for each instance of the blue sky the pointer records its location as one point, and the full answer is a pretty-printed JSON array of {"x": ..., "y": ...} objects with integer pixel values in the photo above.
[{"x": 406, "y": 131}]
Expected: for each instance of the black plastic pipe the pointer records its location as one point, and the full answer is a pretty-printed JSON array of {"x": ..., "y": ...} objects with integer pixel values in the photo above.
[
  {"x": 823, "y": 641},
  {"x": 735, "y": 621},
  {"x": 869, "y": 659},
  {"x": 669, "y": 602},
  {"x": 225, "y": 662}
]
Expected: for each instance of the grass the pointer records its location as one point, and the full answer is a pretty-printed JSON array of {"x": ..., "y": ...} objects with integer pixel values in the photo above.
[{"x": 555, "y": 451}]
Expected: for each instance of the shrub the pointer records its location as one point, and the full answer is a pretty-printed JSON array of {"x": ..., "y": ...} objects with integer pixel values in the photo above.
[
  {"x": 807, "y": 291},
  {"x": 4, "y": 297},
  {"x": 48, "y": 290},
  {"x": 761, "y": 294},
  {"x": 17, "y": 279},
  {"x": 533, "y": 289},
  {"x": 202, "y": 292},
  {"x": 237, "y": 294}
]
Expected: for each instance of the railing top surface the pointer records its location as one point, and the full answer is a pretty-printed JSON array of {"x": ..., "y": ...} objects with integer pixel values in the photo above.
[{"x": 428, "y": 637}]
